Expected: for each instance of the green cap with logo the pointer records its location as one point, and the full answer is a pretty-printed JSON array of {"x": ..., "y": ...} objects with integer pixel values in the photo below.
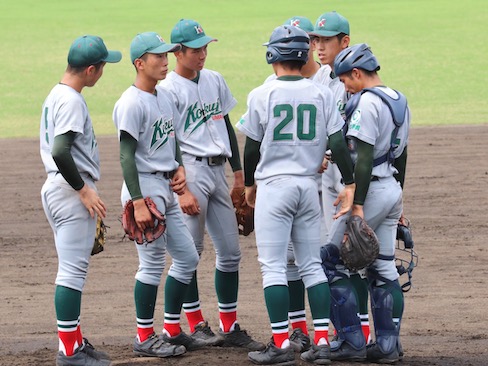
[
  {"x": 190, "y": 34},
  {"x": 150, "y": 42},
  {"x": 300, "y": 22},
  {"x": 330, "y": 24},
  {"x": 90, "y": 50}
]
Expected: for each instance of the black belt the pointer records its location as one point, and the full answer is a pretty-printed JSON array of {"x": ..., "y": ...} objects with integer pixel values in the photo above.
[
  {"x": 212, "y": 160},
  {"x": 166, "y": 175}
]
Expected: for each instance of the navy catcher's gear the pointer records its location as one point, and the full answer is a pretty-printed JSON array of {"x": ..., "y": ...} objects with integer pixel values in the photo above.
[
  {"x": 287, "y": 43},
  {"x": 358, "y": 56},
  {"x": 398, "y": 109},
  {"x": 405, "y": 257},
  {"x": 344, "y": 312},
  {"x": 331, "y": 257},
  {"x": 385, "y": 349}
]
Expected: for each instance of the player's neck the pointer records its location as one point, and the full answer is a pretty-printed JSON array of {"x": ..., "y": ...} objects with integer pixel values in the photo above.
[
  {"x": 371, "y": 82},
  {"x": 185, "y": 72},
  {"x": 146, "y": 85},
  {"x": 74, "y": 81}
]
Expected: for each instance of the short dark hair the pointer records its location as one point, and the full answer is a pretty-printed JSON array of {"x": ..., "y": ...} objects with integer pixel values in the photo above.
[
  {"x": 78, "y": 69},
  {"x": 293, "y": 64}
]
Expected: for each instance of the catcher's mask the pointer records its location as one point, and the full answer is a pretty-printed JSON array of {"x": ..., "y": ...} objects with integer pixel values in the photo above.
[{"x": 406, "y": 258}]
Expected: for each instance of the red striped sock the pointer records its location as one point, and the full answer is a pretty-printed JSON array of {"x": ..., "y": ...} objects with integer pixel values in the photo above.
[
  {"x": 300, "y": 324},
  {"x": 279, "y": 338},
  {"x": 321, "y": 334},
  {"x": 194, "y": 318}
]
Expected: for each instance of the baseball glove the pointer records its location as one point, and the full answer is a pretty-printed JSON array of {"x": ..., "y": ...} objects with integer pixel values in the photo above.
[
  {"x": 100, "y": 239},
  {"x": 132, "y": 230},
  {"x": 360, "y": 246},
  {"x": 244, "y": 212}
]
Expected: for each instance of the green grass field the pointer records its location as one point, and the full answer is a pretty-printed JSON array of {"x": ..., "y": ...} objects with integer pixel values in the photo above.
[{"x": 431, "y": 50}]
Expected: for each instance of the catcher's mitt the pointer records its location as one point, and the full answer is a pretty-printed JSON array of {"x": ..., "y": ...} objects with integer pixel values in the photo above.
[
  {"x": 130, "y": 226},
  {"x": 100, "y": 239},
  {"x": 360, "y": 246},
  {"x": 244, "y": 212}
]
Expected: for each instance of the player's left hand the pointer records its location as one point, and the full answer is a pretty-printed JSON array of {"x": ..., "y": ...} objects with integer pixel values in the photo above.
[
  {"x": 324, "y": 165},
  {"x": 178, "y": 182},
  {"x": 251, "y": 195},
  {"x": 345, "y": 199}
]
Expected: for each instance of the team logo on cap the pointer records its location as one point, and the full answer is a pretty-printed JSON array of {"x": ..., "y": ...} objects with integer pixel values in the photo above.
[
  {"x": 160, "y": 39},
  {"x": 321, "y": 23},
  {"x": 198, "y": 29},
  {"x": 295, "y": 22}
]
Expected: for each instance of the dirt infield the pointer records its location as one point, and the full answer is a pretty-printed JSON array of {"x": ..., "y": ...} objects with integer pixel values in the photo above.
[{"x": 445, "y": 320}]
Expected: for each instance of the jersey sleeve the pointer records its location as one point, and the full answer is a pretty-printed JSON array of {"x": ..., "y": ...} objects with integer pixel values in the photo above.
[
  {"x": 227, "y": 99},
  {"x": 363, "y": 122},
  {"x": 128, "y": 117},
  {"x": 70, "y": 116},
  {"x": 251, "y": 122}
]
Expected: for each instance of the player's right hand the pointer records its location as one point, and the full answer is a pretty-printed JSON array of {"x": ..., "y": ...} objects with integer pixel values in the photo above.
[
  {"x": 93, "y": 203},
  {"x": 189, "y": 203},
  {"x": 251, "y": 195},
  {"x": 142, "y": 216}
]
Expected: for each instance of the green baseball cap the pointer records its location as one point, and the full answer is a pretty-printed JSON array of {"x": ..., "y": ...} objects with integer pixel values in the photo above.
[
  {"x": 330, "y": 24},
  {"x": 90, "y": 50},
  {"x": 300, "y": 22},
  {"x": 150, "y": 42},
  {"x": 190, "y": 34}
]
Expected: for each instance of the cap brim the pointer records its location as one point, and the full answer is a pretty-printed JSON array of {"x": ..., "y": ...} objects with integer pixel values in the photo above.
[
  {"x": 167, "y": 47},
  {"x": 324, "y": 33},
  {"x": 113, "y": 56},
  {"x": 200, "y": 42}
]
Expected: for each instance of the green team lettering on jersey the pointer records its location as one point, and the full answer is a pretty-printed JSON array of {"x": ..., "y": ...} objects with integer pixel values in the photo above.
[
  {"x": 161, "y": 131},
  {"x": 302, "y": 111},
  {"x": 197, "y": 116},
  {"x": 46, "y": 124}
]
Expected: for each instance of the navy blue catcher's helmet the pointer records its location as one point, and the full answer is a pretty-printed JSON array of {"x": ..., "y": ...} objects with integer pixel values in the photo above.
[
  {"x": 358, "y": 56},
  {"x": 286, "y": 43}
]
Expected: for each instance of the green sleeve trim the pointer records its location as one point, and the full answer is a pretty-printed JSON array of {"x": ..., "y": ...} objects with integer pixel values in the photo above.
[
  {"x": 128, "y": 146},
  {"x": 362, "y": 171},
  {"x": 401, "y": 165},
  {"x": 251, "y": 159},
  {"x": 178, "y": 157},
  {"x": 341, "y": 156},
  {"x": 235, "y": 159},
  {"x": 61, "y": 153}
]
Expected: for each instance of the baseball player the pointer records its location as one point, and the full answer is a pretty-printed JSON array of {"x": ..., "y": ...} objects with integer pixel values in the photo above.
[
  {"x": 299, "y": 338},
  {"x": 151, "y": 166},
  {"x": 378, "y": 129},
  {"x": 69, "y": 152},
  {"x": 288, "y": 123},
  {"x": 331, "y": 34},
  {"x": 207, "y": 139}
]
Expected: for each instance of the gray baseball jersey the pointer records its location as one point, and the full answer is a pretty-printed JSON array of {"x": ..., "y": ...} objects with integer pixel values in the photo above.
[
  {"x": 150, "y": 119},
  {"x": 202, "y": 133},
  {"x": 65, "y": 110},
  {"x": 292, "y": 120}
]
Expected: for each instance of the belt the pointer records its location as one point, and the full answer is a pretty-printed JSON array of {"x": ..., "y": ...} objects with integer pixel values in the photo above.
[
  {"x": 374, "y": 178},
  {"x": 212, "y": 160},
  {"x": 166, "y": 175}
]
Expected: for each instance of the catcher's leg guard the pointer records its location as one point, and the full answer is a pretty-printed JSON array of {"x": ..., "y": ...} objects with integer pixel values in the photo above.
[
  {"x": 386, "y": 347},
  {"x": 350, "y": 344},
  {"x": 331, "y": 261}
]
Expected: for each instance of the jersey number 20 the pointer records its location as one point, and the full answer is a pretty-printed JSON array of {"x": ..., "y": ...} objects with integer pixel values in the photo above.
[{"x": 302, "y": 122}]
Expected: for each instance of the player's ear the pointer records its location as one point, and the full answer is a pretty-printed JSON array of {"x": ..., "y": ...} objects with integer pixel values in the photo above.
[{"x": 345, "y": 41}]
